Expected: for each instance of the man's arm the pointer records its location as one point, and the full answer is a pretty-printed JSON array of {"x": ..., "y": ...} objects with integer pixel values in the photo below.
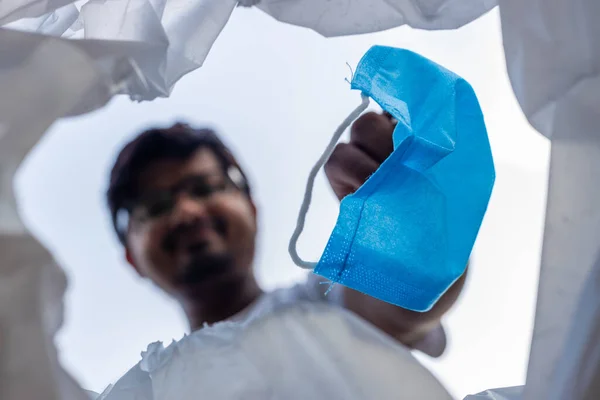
[
  {"x": 347, "y": 169},
  {"x": 421, "y": 331}
]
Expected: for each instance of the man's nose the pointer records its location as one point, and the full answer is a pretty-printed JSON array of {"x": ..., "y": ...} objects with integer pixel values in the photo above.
[{"x": 188, "y": 209}]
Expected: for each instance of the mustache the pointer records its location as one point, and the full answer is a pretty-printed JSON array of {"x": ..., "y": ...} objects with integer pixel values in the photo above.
[
  {"x": 181, "y": 231},
  {"x": 204, "y": 267}
]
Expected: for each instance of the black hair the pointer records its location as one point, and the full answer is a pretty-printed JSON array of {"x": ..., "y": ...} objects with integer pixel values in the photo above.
[{"x": 178, "y": 142}]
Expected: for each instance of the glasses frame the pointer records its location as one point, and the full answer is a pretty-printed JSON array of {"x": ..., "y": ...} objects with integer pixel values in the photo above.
[{"x": 123, "y": 217}]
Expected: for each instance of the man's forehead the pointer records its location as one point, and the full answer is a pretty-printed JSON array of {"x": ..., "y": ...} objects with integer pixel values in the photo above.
[{"x": 167, "y": 172}]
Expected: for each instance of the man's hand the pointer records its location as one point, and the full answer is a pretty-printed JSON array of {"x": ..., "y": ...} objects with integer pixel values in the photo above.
[
  {"x": 352, "y": 163},
  {"x": 347, "y": 169}
]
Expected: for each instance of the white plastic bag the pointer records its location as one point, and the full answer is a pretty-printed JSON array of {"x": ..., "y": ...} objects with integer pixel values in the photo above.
[
  {"x": 343, "y": 17},
  {"x": 163, "y": 39},
  {"x": 31, "y": 284},
  {"x": 167, "y": 39},
  {"x": 510, "y": 393},
  {"x": 553, "y": 59}
]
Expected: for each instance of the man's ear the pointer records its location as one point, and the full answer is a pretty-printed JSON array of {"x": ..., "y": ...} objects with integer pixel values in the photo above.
[
  {"x": 254, "y": 211},
  {"x": 131, "y": 261}
]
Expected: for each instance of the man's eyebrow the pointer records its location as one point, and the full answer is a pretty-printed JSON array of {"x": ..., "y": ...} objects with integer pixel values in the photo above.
[{"x": 151, "y": 187}]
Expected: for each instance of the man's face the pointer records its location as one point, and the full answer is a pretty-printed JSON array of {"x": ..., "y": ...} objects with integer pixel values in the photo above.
[{"x": 191, "y": 229}]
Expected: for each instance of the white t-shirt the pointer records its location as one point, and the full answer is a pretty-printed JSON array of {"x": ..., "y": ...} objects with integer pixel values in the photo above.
[
  {"x": 293, "y": 343},
  {"x": 314, "y": 289}
]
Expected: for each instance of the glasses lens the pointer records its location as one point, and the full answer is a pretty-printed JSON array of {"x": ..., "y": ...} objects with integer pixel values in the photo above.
[
  {"x": 202, "y": 186},
  {"x": 155, "y": 205},
  {"x": 159, "y": 203}
]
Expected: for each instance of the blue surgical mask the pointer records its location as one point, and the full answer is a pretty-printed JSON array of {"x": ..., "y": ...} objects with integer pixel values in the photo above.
[{"x": 405, "y": 236}]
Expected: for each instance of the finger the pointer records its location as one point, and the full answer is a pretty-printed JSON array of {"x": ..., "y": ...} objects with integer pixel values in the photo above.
[
  {"x": 390, "y": 117},
  {"x": 372, "y": 133},
  {"x": 348, "y": 168}
]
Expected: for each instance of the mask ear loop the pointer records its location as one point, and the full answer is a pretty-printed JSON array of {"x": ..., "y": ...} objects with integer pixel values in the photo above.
[{"x": 293, "y": 246}]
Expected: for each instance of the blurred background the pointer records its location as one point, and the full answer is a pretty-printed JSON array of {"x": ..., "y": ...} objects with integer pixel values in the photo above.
[{"x": 276, "y": 93}]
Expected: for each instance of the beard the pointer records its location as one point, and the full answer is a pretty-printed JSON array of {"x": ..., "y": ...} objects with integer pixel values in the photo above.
[
  {"x": 205, "y": 266},
  {"x": 198, "y": 262}
]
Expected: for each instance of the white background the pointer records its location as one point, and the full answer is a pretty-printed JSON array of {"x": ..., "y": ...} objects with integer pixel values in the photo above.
[{"x": 276, "y": 93}]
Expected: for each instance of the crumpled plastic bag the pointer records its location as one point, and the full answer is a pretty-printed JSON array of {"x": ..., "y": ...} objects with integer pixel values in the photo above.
[
  {"x": 30, "y": 101},
  {"x": 162, "y": 40},
  {"x": 31, "y": 283},
  {"x": 576, "y": 374},
  {"x": 510, "y": 393},
  {"x": 350, "y": 17},
  {"x": 306, "y": 351},
  {"x": 31, "y": 311},
  {"x": 553, "y": 58},
  {"x": 167, "y": 39}
]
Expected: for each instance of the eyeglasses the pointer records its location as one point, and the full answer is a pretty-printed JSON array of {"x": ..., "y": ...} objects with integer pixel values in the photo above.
[{"x": 159, "y": 203}]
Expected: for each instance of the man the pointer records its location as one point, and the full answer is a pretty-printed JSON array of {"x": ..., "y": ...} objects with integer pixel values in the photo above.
[{"x": 183, "y": 210}]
